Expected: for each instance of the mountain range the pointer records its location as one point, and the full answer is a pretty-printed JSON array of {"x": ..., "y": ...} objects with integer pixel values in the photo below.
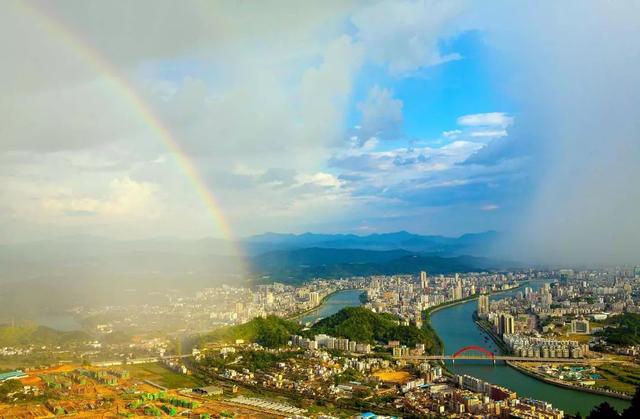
[
  {"x": 296, "y": 265},
  {"x": 477, "y": 244}
]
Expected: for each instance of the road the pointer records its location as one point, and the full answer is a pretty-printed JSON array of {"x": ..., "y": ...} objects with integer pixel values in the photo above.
[{"x": 485, "y": 358}]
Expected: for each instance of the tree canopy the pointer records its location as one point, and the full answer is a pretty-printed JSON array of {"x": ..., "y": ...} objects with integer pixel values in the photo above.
[
  {"x": 270, "y": 332},
  {"x": 623, "y": 329},
  {"x": 363, "y": 325}
]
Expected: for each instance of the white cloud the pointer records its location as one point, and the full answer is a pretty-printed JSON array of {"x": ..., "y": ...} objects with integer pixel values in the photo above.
[
  {"x": 453, "y": 134},
  {"x": 490, "y": 207},
  {"x": 325, "y": 90},
  {"x": 499, "y": 119},
  {"x": 404, "y": 35},
  {"x": 319, "y": 179},
  {"x": 489, "y": 133},
  {"x": 381, "y": 115},
  {"x": 126, "y": 198}
]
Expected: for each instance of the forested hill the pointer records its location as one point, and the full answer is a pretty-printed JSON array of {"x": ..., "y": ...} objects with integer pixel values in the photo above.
[
  {"x": 270, "y": 332},
  {"x": 37, "y": 335},
  {"x": 623, "y": 329},
  {"x": 363, "y": 325},
  {"x": 354, "y": 323}
]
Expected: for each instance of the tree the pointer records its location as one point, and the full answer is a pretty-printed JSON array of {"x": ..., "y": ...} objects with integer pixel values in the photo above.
[
  {"x": 633, "y": 411},
  {"x": 603, "y": 411},
  {"x": 8, "y": 387}
]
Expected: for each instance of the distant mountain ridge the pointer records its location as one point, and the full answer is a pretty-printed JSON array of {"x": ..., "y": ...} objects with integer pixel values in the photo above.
[
  {"x": 297, "y": 265},
  {"x": 477, "y": 244},
  {"x": 164, "y": 259}
]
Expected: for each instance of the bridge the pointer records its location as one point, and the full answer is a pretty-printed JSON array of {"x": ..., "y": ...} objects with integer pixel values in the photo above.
[{"x": 478, "y": 353}]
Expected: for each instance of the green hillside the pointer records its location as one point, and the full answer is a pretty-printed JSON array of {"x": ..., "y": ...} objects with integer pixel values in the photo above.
[
  {"x": 271, "y": 332},
  {"x": 37, "y": 335},
  {"x": 363, "y": 325},
  {"x": 623, "y": 329}
]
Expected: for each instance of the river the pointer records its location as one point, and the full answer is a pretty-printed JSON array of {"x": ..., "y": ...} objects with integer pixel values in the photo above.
[
  {"x": 334, "y": 303},
  {"x": 456, "y": 328}
]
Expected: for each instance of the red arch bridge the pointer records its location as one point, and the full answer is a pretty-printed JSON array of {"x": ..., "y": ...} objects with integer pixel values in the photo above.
[{"x": 478, "y": 353}]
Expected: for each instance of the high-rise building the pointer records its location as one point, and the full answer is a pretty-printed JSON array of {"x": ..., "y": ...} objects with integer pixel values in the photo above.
[
  {"x": 483, "y": 305},
  {"x": 565, "y": 276},
  {"x": 424, "y": 281},
  {"x": 314, "y": 298},
  {"x": 546, "y": 299},
  {"x": 457, "y": 291},
  {"x": 506, "y": 325},
  {"x": 239, "y": 308}
]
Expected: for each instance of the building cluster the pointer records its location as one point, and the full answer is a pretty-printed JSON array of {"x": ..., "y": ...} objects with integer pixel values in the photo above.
[
  {"x": 503, "y": 323},
  {"x": 402, "y": 351},
  {"x": 206, "y": 309},
  {"x": 329, "y": 342},
  {"x": 466, "y": 396},
  {"x": 532, "y": 347},
  {"x": 548, "y": 322},
  {"x": 407, "y": 296},
  {"x": 312, "y": 373}
]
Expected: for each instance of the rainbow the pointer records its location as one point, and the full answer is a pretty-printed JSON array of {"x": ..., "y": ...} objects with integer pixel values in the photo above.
[{"x": 128, "y": 95}]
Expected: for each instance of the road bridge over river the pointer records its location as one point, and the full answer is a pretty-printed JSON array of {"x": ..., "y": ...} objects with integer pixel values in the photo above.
[{"x": 478, "y": 353}]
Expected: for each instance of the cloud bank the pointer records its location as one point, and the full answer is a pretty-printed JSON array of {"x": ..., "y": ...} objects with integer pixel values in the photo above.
[{"x": 580, "y": 98}]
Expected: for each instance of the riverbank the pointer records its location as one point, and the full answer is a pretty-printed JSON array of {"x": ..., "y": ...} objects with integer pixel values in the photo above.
[
  {"x": 426, "y": 314},
  {"x": 565, "y": 384},
  {"x": 503, "y": 347},
  {"x": 496, "y": 339},
  {"x": 456, "y": 328},
  {"x": 433, "y": 309}
]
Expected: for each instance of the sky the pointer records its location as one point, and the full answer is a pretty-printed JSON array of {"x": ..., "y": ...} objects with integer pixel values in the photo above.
[{"x": 436, "y": 117}]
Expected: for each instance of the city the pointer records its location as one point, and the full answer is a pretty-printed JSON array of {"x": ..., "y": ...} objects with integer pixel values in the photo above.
[{"x": 323, "y": 366}]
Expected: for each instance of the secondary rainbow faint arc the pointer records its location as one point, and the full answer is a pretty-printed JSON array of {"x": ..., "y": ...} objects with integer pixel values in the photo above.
[{"x": 128, "y": 93}]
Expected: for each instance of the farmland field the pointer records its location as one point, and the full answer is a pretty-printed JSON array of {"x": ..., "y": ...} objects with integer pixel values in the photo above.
[
  {"x": 162, "y": 375},
  {"x": 618, "y": 377}
]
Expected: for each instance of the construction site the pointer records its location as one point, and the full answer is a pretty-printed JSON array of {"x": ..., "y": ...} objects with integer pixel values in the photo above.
[{"x": 93, "y": 392}]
